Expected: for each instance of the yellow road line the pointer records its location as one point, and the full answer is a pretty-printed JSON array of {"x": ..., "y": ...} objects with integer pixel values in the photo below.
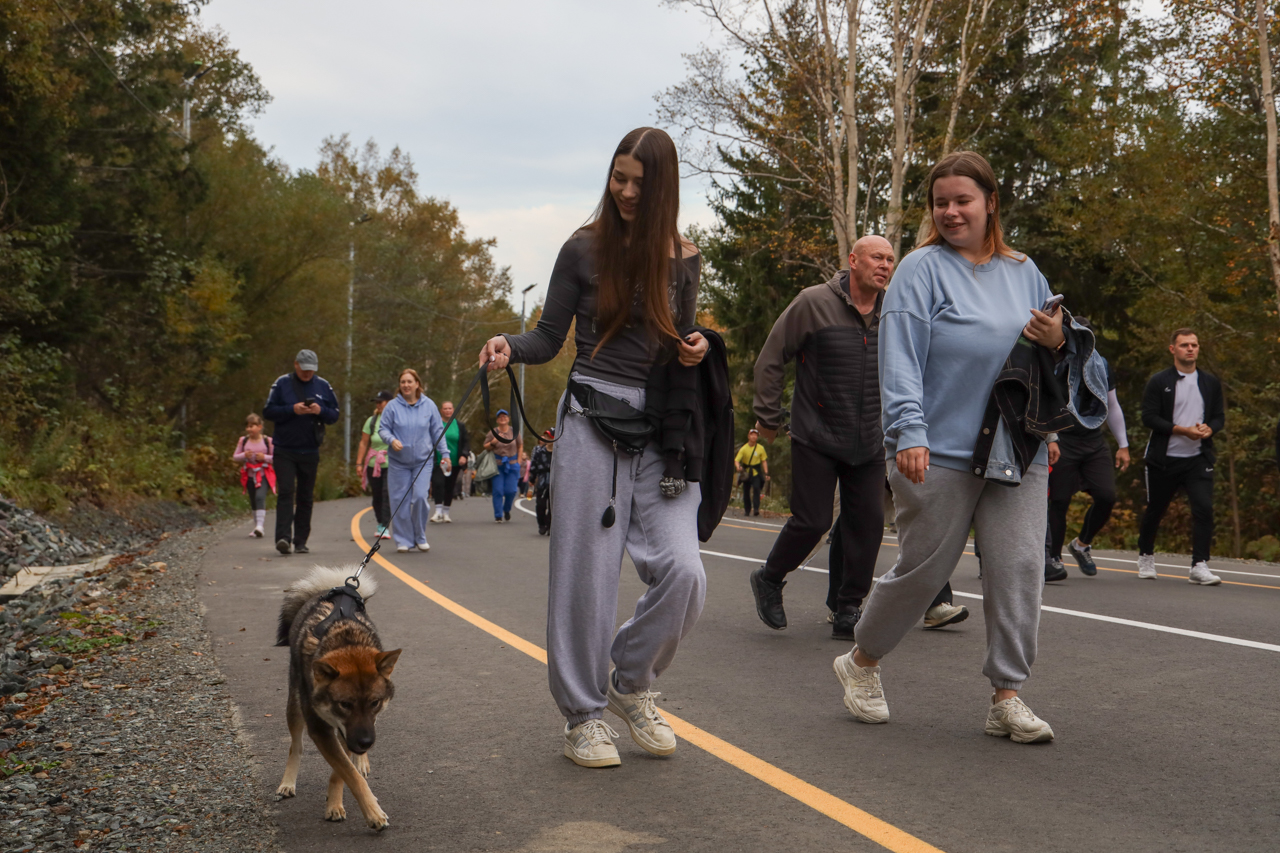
[{"x": 885, "y": 834}]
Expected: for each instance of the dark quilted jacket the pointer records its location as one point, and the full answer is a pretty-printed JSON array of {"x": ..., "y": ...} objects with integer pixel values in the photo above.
[{"x": 836, "y": 406}]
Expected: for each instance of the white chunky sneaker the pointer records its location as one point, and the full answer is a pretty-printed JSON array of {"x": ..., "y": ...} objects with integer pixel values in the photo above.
[
  {"x": 863, "y": 693},
  {"x": 438, "y": 517},
  {"x": 402, "y": 549},
  {"x": 648, "y": 728},
  {"x": 1013, "y": 719},
  {"x": 423, "y": 546},
  {"x": 1200, "y": 574},
  {"x": 945, "y": 613},
  {"x": 1147, "y": 566},
  {"x": 590, "y": 744}
]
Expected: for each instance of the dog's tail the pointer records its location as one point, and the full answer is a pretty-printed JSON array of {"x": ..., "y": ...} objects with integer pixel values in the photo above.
[{"x": 319, "y": 580}]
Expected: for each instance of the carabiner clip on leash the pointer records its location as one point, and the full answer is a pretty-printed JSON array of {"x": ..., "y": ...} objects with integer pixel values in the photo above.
[{"x": 481, "y": 379}]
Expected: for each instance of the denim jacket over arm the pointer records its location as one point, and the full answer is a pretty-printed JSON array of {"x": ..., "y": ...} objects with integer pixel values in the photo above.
[{"x": 1034, "y": 398}]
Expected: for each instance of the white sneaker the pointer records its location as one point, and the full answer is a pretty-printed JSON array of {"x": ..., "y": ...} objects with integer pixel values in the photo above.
[
  {"x": 438, "y": 517},
  {"x": 1147, "y": 566},
  {"x": 1013, "y": 719},
  {"x": 863, "y": 693},
  {"x": 257, "y": 532},
  {"x": 590, "y": 744},
  {"x": 945, "y": 613},
  {"x": 1200, "y": 574},
  {"x": 648, "y": 728},
  {"x": 447, "y": 518},
  {"x": 402, "y": 549},
  {"x": 423, "y": 546}
]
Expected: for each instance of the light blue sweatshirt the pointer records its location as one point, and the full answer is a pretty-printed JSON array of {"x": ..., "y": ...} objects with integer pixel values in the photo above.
[
  {"x": 418, "y": 427},
  {"x": 945, "y": 331}
]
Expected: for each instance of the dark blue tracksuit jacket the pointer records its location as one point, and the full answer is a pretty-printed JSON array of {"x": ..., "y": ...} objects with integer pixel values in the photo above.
[{"x": 297, "y": 433}]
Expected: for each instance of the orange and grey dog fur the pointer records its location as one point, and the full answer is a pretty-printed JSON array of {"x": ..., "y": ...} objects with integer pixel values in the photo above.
[{"x": 338, "y": 683}]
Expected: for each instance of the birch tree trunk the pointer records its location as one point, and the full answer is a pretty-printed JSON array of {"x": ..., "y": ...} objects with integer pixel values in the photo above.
[
  {"x": 908, "y": 42},
  {"x": 1269, "y": 108},
  {"x": 851, "y": 118}
]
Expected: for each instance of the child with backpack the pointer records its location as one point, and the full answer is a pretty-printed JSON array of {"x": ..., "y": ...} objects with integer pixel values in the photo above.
[{"x": 253, "y": 452}]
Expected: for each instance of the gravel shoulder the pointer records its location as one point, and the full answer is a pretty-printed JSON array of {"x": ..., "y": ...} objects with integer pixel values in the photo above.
[{"x": 116, "y": 729}]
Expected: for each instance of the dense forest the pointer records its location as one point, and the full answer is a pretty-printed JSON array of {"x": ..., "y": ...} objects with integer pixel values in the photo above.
[
  {"x": 160, "y": 273},
  {"x": 1137, "y": 155},
  {"x": 160, "y": 268}
]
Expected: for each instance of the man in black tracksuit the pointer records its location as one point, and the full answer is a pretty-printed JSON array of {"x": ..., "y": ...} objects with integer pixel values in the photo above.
[
  {"x": 300, "y": 404},
  {"x": 1183, "y": 408},
  {"x": 831, "y": 331}
]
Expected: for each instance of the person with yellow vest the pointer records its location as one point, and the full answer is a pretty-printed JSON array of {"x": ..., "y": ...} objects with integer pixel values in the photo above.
[{"x": 752, "y": 464}]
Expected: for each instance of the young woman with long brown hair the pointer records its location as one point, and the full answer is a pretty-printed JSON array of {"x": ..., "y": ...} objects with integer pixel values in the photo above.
[
  {"x": 955, "y": 308},
  {"x": 631, "y": 282}
]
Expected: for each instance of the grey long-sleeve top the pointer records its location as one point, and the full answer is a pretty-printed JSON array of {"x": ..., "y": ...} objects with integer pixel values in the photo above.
[{"x": 627, "y": 357}]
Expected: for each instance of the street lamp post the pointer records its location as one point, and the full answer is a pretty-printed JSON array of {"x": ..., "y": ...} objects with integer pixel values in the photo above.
[
  {"x": 523, "y": 295},
  {"x": 351, "y": 321}
]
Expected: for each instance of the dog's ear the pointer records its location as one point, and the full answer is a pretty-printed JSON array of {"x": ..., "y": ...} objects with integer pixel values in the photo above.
[
  {"x": 322, "y": 673},
  {"x": 387, "y": 662}
]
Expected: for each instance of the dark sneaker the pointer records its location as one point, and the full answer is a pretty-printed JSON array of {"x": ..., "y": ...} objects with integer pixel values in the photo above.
[
  {"x": 1083, "y": 555},
  {"x": 301, "y": 549},
  {"x": 1054, "y": 570},
  {"x": 844, "y": 623},
  {"x": 506, "y": 516},
  {"x": 282, "y": 546},
  {"x": 768, "y": 600}
]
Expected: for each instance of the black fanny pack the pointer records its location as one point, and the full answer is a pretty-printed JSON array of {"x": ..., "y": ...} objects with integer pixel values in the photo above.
[{"x": 627, "y": 427}]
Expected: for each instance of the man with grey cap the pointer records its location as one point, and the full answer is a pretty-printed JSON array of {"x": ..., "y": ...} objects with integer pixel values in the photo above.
[{"x": 300, "y": 405}]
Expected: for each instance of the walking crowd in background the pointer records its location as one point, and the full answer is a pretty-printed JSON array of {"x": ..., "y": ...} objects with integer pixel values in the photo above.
[{"x": 954, "y": 380}]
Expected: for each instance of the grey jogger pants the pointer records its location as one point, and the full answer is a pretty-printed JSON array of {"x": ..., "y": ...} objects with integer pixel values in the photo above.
[
  {"x": 660, "y": 534},
  {"x": 933, "y": 528}
]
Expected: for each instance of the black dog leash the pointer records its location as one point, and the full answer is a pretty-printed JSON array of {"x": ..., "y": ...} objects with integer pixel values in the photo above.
[{"x": 352, "y": 584}]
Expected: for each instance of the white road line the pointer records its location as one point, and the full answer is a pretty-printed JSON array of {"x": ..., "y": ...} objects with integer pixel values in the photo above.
[
  {"x": 1098, "y": 617},
  {"x": 1199, "y": 635}
]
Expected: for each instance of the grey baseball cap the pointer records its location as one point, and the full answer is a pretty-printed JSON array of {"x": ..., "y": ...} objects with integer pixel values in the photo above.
[{"x": 307, "y": 360}]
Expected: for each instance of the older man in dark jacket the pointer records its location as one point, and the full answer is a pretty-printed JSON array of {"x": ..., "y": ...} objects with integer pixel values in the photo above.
[
  {"x": 301, "y": 404},
  {"x": 831, "y": 331}
]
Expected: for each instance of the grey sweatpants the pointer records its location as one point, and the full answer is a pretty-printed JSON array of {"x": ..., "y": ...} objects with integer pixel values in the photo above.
[
  {"x": 933, "y": 528},
  {"x": 660, "y": 534}
]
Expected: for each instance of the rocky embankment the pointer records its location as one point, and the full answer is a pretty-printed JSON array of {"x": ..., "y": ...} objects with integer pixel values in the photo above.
[{"x": 115, "y": 731}]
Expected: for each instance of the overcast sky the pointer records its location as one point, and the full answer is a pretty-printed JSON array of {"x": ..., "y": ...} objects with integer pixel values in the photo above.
[{"x": 510, "y": 110}]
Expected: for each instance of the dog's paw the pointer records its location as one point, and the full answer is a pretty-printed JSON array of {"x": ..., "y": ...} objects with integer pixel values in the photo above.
[
  {"x": 335, "y": 813},
  {"x": 284, "y": 792},
  {"x": 378, "y": 819},
  {"x": 362, "y": 764}
]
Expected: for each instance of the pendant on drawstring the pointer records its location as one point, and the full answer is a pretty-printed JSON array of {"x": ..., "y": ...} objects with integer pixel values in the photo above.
[{"x": 609, "y": 515}]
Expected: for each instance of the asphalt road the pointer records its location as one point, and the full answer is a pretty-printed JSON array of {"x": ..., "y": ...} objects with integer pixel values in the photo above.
[{"x": 1165, "y": 741}]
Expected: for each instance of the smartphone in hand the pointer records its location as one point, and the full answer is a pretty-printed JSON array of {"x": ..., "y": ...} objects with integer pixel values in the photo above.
[{"x": 1051, "y": 304}]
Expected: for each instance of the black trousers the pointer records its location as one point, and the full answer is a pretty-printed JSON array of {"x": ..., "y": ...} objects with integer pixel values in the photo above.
[
  {"x": 542, "y": 500},
  {"x": 1087, "y": 468},
  {"x": 1195, "y": 475},
  {"x": 751, "y": 492},
  {"x": 442, "y": 486},
  {"x": 813, "y": 477},
  {"x": 381, "y": 498},
  {"x": 295, "y": 484}
]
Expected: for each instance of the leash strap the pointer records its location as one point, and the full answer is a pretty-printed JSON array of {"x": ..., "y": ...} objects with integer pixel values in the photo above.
[{"x": 481, "y": 379}]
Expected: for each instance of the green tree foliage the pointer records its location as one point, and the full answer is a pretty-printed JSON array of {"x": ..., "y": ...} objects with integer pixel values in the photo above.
[
  {"x": 1132, "y": 159},
  {"x": 156, "y": 283}
]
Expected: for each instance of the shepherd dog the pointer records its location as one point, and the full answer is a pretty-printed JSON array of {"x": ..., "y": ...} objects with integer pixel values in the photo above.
[{"x": 339, "y": 681}]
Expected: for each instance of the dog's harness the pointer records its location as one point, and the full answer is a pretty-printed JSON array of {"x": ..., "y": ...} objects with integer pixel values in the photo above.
[{"x": 346, "y": 601}]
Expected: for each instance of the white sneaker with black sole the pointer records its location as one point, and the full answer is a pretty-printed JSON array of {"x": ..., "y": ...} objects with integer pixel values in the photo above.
[
  {"x": 863, "y": 693},
  {"x": 1014, "y": 720},
  {"x": 1147, "y": 567},
  {"x": 590, "y": 744},
  {"x": 1200, "y": 574},
  {"x": 945, "y": 613},
  {"x": 648, "y": 728},
  {"x": 423, "y": 546}
]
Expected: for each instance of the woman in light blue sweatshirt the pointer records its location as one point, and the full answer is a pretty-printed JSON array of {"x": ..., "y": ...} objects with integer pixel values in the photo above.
[
  {"x": 413, "y": 430},
  {"x": 952, "y": 313}
]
